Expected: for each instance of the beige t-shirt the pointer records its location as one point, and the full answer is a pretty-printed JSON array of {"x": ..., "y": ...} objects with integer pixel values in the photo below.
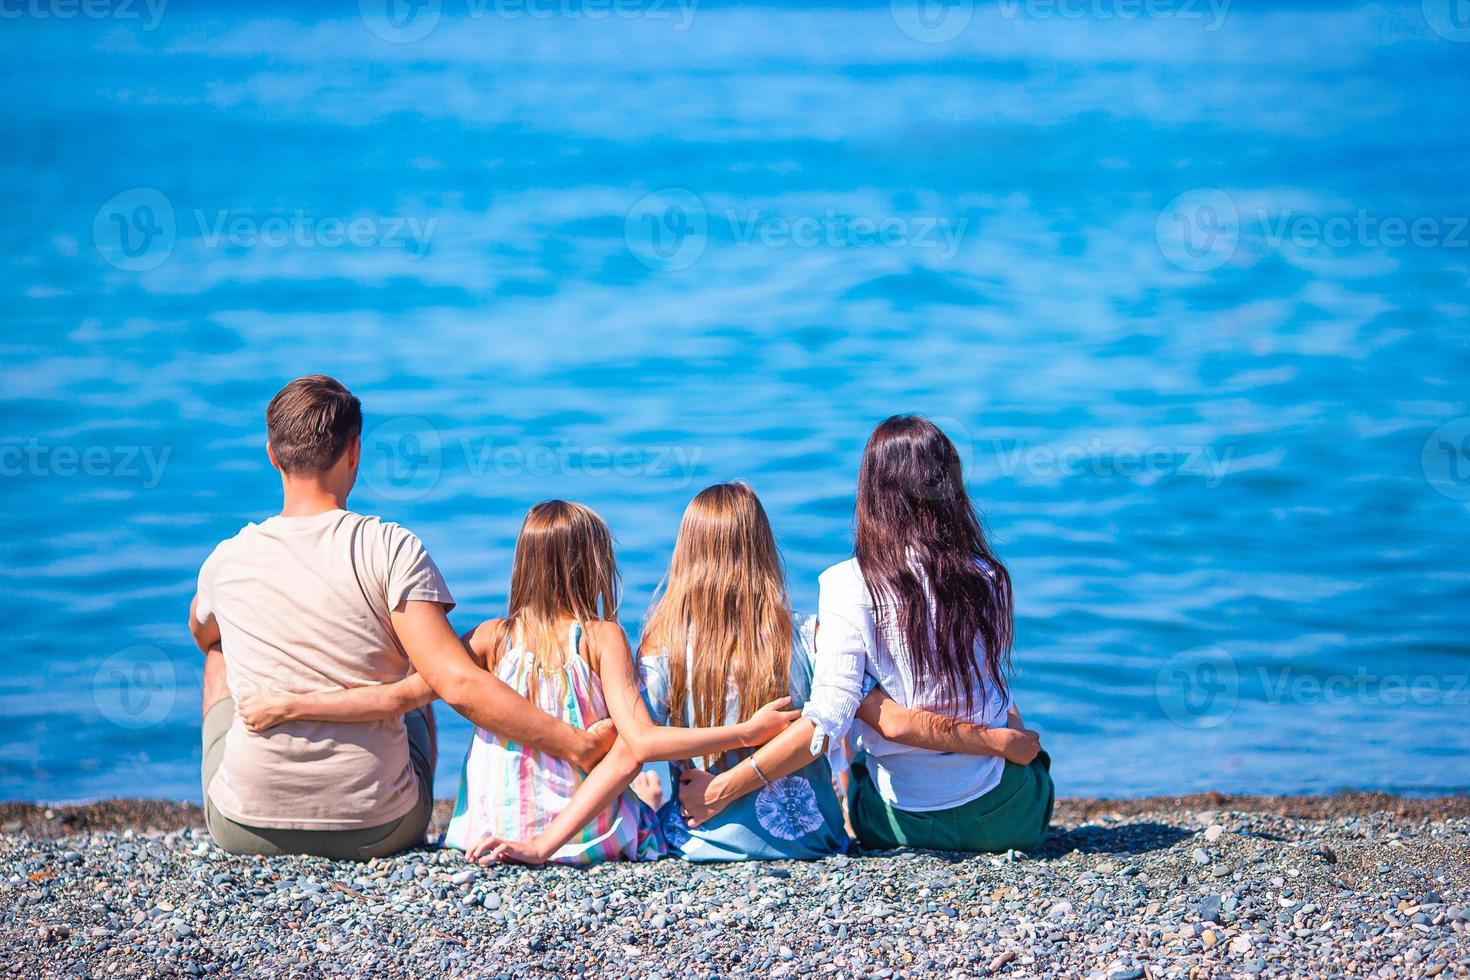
[{"x": 303, "y": 606}]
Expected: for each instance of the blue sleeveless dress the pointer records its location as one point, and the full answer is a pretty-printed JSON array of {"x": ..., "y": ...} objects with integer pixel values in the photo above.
[{"x": 797, "y": 817}]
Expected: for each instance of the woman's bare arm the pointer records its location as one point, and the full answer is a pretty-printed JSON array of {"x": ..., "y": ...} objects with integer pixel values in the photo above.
[{"x": 702, "y": 796}]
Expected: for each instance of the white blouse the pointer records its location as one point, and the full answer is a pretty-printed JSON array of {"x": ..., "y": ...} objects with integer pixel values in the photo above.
[{"x": 850, "y": 645}]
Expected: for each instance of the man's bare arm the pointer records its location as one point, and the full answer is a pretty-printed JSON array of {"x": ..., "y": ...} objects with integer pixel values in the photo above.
[
  {"x": 440, "y": 656},
  {"x": 206, "y": 634}
]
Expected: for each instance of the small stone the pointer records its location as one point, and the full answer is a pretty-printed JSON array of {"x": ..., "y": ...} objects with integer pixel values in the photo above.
[
  {"x": 1214, "y": 832},
  {"x": 1209, "y": 938},
  {"x": 1201, "y": 856},
  {"x": 1208, "y": 908}
]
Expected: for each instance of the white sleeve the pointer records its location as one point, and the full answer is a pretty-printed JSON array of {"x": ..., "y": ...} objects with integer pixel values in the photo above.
[
  {"x": 841, "y": 661},
  {"x": 204, "y": 589}
]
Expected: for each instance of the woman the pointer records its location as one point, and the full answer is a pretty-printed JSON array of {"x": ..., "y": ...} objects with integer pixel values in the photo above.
[{"x": 924, "y": 608}]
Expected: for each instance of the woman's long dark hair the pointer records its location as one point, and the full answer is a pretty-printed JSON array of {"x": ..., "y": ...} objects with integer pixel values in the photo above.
[{"x": 915, "y": 524}]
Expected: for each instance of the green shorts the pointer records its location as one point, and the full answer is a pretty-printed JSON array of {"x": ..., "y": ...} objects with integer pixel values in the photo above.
[
  {"x": 1015, "y": 814},
  {"x": 343, "y": 845}
]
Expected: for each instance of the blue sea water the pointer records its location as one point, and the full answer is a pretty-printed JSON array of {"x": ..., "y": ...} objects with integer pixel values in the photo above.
[{"x": 1188, "y": 288}]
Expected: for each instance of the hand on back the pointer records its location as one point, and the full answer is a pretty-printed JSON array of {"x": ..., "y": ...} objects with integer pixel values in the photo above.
[
  {"x": 769, "y": 721},
  {"x": 1021, "y": 745},
  {"x": 261, "y": 710}
]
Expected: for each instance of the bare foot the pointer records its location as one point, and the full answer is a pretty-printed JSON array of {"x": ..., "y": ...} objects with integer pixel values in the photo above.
[{"x": 647, "y": 787}]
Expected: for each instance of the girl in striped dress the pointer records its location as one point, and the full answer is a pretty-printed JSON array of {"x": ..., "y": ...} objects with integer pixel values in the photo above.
[{"x": 560, "y": 646}]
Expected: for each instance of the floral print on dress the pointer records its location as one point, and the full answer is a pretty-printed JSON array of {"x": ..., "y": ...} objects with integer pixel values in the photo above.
[
  {"x": 788, "y": 808},
  {"x": 676, "y": 831},
  {"x": 799, "y": 820}
]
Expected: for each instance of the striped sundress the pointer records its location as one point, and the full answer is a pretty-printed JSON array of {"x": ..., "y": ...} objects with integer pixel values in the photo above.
[{"x": 514, "y": 792}]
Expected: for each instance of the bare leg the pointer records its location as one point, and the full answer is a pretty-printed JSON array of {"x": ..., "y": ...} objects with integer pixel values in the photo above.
[
  {"x": 215, "y": 687},
  {"x": 648, "y": 788}
]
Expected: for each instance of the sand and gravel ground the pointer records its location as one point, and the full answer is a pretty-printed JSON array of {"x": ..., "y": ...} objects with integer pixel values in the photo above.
[{"x": 1209, "y": 885}]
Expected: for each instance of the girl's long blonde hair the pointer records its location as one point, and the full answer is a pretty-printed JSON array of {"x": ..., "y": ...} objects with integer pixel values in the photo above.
[
  {"x": 724, "y": 598},
  {"x": 564, "y": 568}
]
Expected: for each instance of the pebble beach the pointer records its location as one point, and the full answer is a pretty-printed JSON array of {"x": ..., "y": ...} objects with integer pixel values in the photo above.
[{"x": 1210, "y": 885}]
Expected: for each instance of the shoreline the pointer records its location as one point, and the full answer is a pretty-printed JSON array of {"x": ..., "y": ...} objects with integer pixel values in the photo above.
[
  {"x": 144, "y": 814},
  {"x": 1353, "y": 885}
]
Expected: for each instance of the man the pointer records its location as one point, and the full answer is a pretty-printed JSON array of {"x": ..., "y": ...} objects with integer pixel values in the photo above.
[{"x": 320, "y": 599}]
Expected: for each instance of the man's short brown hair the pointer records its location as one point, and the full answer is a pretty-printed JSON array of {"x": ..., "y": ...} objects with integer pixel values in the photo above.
[{"x": 310, "y": 423}]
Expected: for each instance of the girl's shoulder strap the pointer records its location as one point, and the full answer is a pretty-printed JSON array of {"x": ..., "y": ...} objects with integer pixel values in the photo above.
[{"x": 803, "y": 656}]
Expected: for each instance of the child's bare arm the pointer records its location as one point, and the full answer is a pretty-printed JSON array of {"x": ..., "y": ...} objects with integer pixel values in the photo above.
[
  {"x": 604, "y": 784},
  {"x": 655, "y": 743},
  {"x": 262, "y": 710},
  {"x": 486, "y": 642},
  {"x": 927, "y": 730}
]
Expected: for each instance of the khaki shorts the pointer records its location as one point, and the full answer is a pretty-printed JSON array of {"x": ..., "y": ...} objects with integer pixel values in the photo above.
[{"x": 343, "y": 845}]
